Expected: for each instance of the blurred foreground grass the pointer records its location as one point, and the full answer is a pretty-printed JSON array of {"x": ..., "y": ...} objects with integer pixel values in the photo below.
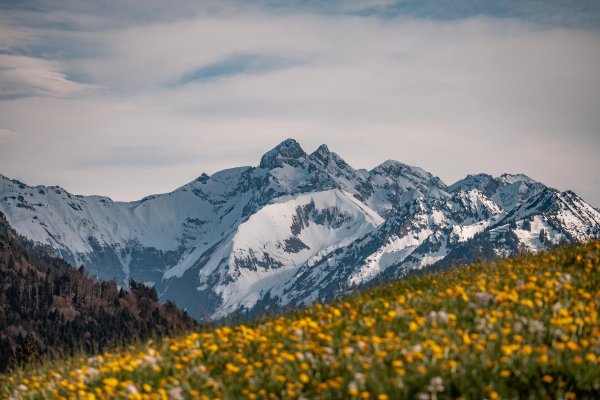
[{"x": 516, "y": 328}]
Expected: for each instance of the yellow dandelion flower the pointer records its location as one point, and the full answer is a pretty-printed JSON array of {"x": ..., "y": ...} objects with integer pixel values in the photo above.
[
  {"x": 304, "y": 378},
  {"x": 232, "y": 368},
  {"x": 110, "y": 382}
]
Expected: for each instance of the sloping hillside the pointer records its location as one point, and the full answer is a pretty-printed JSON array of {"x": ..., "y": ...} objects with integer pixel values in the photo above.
[
  {"x": 47, "y": 307},
  {"x": 516, "y": 328}
]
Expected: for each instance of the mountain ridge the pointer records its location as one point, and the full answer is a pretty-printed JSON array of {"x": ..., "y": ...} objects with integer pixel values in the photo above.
[{"x": 186, "y": 242}]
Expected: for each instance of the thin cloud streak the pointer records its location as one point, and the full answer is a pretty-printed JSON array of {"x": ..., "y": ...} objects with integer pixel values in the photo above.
[{"x": 22, "y": 76}]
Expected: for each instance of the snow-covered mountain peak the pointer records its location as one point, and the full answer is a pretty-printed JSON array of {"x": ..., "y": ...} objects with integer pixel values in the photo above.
[
  {"x": 333, "y": 164},
  {"x": 202, "y": 178},
  {"x": 485, "y": 183},
  {"x": 513, "y": 178},
  {"x": 507, "y": 190},
  {"x": 562, "y": 207},
  {"x": 322, "y": 150},
  {"x": 288, "y": 152},
  {"x": 396, "y": 169},
  {"x": 323, "y": 156},
  {"x": 406, "y": 176},
  {"x": 546, "y": 219},
  {"x": 297, "y": 228}
]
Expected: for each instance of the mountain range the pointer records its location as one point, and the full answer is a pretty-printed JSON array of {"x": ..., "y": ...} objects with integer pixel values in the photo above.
[{"x": 296, "y": 229}]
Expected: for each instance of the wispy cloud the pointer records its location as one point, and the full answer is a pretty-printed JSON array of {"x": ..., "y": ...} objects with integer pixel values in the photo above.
[
  {"x": 238, "y": 64},
  {"x": 455, "y": 87},
  {"x": 22, "y": 76}
]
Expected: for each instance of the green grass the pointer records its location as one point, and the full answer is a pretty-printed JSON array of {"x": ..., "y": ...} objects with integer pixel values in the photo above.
[{"x": 517, "y": 328}]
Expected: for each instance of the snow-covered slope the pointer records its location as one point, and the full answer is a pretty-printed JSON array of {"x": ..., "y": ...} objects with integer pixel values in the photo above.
[
  {"x": 507, "y": 190},
  {"x": 551, "y": 218},
  {"x": 420, "y": 233},
  {"x": 298, "y": 227},
  {"x": 547, "y": 219},
  {"x": 268, "y": 248}
]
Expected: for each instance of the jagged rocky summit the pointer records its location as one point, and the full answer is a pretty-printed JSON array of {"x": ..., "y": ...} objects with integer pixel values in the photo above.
[{"x": 296, "y": 229}]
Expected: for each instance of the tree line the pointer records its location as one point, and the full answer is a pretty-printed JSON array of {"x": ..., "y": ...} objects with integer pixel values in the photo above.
[{"x": 49, "y": 308}]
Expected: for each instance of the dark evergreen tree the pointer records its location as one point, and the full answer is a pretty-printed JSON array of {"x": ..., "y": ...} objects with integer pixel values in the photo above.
[
  {"x": 49, "y": 308},
  {"x": 542, "y": 236}
]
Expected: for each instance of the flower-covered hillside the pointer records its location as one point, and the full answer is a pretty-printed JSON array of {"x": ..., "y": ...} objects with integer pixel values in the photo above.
[{"x": 517, "y": 328}]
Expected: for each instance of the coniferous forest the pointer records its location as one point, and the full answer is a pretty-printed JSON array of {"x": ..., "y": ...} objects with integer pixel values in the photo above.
[{"x": 49, "y": 308}]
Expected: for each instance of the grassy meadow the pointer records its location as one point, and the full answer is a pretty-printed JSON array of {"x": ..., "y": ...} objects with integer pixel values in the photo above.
[{"x": 517, "y": 328}]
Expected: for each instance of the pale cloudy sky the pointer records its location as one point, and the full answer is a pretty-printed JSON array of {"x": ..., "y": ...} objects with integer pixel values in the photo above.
[{"x": 129, "y": 98}]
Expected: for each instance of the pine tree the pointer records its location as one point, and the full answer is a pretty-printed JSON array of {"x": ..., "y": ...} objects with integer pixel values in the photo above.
[{"x": 542, "y": 236}]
